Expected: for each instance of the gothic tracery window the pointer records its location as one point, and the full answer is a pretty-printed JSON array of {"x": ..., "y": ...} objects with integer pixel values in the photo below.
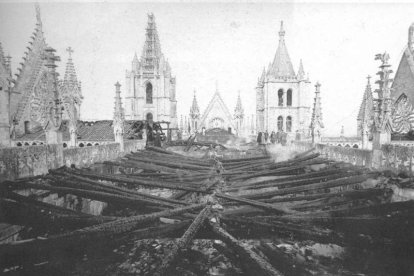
[{"x": 149, "y": 93}]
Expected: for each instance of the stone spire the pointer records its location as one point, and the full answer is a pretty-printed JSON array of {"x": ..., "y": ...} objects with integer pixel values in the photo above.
[
  {"x": 194, "y": 110},
  {"x": 238, "y": 110},
  {"x": 301, "y": 72},
  {"x": 282, "y": 67},
  {"x": 70, "y": 77},
  {"x": 365, "y": 110},
  {"x": 135, "y": 63},
  {"x": 194, "y": 114},
  {"x": 239, "y": 116},
  {"x": 316, "y": 120},
  {"x": 151, "y": 53},
  {"x": 342, "y": 132},
  {"x": 119, "y": 117}
]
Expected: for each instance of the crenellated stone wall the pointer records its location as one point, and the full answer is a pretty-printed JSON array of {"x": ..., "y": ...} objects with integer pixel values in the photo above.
[{"x": 17, "y": 162}]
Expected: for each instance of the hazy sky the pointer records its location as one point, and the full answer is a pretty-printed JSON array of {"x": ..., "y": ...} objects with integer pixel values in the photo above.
[{"x": 229, "y": 43}]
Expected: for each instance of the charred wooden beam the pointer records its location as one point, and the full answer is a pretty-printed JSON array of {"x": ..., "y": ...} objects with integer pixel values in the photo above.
[
  {"x": 139, "y": 182},
  {"x": 254, "y": 203},
  {"x": 88, "y": 183},
  {"x": 310, "y": 187},
  {"x": 9, "y": 251},
  {"x": 183, "y": 242},
  {"x": 258, "y": 264}
]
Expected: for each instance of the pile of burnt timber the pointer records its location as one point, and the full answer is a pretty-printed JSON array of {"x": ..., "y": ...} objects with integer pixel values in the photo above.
[
  {"x": 253, "y": 205},
  {"x": 198, "y": 145}
]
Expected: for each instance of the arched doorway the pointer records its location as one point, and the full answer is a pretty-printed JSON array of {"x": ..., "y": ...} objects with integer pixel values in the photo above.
[
  {"x": 148, "y": 90},
  {"x": 149, "y": 117}
]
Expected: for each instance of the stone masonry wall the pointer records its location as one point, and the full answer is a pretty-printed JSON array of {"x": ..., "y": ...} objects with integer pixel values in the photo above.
[{"x": 18, "y": 162}]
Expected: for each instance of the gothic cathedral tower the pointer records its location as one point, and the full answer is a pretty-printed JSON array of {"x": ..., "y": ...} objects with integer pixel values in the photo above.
[
  {"x": 282, "y": 96},
  {"x": 150, "y": 85}
]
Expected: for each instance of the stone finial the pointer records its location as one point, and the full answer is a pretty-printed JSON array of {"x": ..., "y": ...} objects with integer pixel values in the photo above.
[
  {"x": 282, "y": 31},
  {"x": 38, "y": 17}
]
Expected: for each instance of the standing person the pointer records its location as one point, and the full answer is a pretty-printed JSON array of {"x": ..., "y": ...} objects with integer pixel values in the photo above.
[
  {"x": 273, "y": 137},
  {"x": 284, "y": 138},
  {"x": 157, "y": 140},
  {"x": 259, "y": 138},
  {"x": 266, "y": 136}
]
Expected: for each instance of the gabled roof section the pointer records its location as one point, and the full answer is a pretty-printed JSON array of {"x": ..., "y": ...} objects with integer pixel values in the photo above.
[
  {"x": 404, "y": 77},
  {"x": 216, "y": 100},
  {"x": 32, "y": 67},
  {"x": 282, "y": 67}
]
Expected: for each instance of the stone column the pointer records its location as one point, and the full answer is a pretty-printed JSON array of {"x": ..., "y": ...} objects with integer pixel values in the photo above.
[
  {"x": 119, "y": 117},
  {"x": 54, "y": 113}
]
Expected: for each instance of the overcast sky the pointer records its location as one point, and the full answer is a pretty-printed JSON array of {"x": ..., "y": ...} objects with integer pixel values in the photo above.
[{"x": 227, "y": 43}]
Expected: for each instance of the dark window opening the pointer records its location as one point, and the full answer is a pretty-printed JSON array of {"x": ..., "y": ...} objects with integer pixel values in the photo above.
[
  {"x": 149, "y": 93},
  {"x": 289, "y": 124},
  {"x": 289, "y": 97}
]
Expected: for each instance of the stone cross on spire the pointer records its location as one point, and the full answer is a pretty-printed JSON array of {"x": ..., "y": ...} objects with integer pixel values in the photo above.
[
  {"x": 70, "y": 51},
  {"x": 282, "y": 31}
]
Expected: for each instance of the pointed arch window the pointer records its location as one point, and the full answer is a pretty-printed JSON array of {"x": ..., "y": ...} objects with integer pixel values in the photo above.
[
  {"x": 149, "y": 93},
  {"x": 280, "y": 97},
  {"x": 280, "y": 123},
  {"x": 288, "y": 124},
  {"x": 289, "y": 97}
]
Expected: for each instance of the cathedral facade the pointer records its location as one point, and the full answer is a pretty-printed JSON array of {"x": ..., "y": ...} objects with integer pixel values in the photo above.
[
  {"x": 217, "y": 116},
  {"x": 150, "y": 86},
  {"x": 282, "y": 96}
]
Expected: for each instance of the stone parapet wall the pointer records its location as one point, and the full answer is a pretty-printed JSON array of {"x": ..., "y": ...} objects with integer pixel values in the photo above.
[
  {"x": 353, "y": 156},
  {"x": 18, "y": 162},
  {"x": 395, "y": 157}
]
